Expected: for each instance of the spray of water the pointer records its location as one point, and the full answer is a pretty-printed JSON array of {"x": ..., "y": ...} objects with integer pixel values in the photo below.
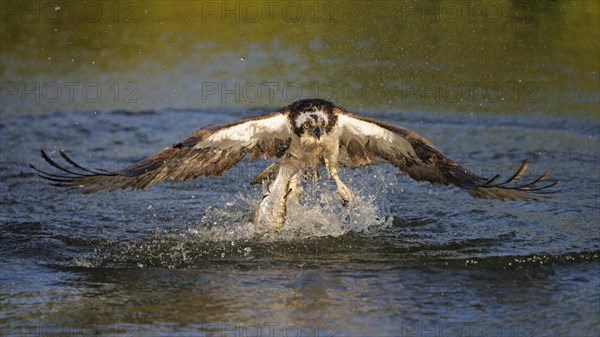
[
  {"x": 227, "y": 233},
  {"x": 318, "y": 213}
]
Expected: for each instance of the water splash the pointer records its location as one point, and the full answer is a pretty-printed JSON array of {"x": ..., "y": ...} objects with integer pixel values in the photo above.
[
  {"x": 227, "y": 234},
  {"x": 319, "y": 213}
]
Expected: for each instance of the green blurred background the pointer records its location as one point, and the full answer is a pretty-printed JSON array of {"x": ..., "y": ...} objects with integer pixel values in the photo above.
[{"x": 501, "y": 56}]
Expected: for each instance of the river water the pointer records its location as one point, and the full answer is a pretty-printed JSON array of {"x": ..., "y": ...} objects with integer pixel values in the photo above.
[
  {"x": 183, "y": 256},
  {"x": 405, "y": 259}
]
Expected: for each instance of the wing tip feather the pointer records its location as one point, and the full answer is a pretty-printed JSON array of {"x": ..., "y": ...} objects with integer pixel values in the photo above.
[
  {"x": 71, "y": 176},
  {"x": 507, "y": 191}
]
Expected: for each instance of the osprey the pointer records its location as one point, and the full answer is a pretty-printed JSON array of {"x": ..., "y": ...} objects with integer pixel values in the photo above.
[{"x": 301, "y": 137}]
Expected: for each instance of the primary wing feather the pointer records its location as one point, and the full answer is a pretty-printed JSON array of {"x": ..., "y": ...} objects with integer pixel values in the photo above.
[
  {"x": 366, "y": 139},
  {"x": 205, "y": 152}
]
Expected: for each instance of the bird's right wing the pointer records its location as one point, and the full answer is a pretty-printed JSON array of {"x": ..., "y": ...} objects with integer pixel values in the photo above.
[
  {"x": 366, "y": 139},
  {"x": 207, "y": 151}
]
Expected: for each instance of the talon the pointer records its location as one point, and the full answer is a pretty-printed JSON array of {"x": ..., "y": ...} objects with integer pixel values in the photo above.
[
  {"x": 345, "y": 195},
  {"x": 295, "y": 191},
  {"x": 265, "y": 190}
]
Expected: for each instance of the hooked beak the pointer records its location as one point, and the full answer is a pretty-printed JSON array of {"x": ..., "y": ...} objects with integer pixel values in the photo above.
[{"x": 317, "y": 132}]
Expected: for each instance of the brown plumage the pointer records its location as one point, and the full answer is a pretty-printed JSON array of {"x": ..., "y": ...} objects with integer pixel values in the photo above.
[
  {"x": 361, "y": 141},
  {"x": 182, "y": 161},
  {"x": 429, "y": 164}
]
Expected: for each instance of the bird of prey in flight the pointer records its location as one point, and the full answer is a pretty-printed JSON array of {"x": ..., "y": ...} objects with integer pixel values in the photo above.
[{"x": 300, "y": 137}]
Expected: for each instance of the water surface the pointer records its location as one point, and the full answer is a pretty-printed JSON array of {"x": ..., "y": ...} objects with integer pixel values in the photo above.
[
  {"x": 184, "y": 257},
  {"x": 491, "y": 84}
]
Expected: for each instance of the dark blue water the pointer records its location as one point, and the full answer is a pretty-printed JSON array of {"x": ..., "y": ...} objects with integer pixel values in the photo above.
[{"x": 408, "y": 258}]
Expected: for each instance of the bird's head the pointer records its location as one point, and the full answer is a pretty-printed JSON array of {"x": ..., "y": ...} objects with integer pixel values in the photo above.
[
  {"x": 312, "y": 124},
  {"x": 312, "y": 119}
]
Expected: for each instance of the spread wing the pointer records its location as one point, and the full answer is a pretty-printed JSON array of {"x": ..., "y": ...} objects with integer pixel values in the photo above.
[
  {"x": 364, "y": 140},
  {"x": 207, "y": 151}
]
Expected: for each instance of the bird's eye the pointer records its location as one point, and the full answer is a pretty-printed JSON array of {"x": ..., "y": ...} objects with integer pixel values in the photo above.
[
  {"x": 306, "y": 125},
  {"x": 324, "y": 124}
]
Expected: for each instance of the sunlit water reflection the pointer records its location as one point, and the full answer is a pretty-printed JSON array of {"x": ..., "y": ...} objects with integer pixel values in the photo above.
[
  {"x": 184, "y": 257},
  {"x": 406, "y": 258}
]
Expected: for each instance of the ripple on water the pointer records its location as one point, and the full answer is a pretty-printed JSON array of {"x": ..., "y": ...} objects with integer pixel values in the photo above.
[{"x": 228, "y": 233}]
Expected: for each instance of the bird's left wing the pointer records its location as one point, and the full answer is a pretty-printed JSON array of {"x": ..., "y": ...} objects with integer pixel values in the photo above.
[
  {"x": 364, "y": 140},
  {"x": 205, "y": 152}
]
